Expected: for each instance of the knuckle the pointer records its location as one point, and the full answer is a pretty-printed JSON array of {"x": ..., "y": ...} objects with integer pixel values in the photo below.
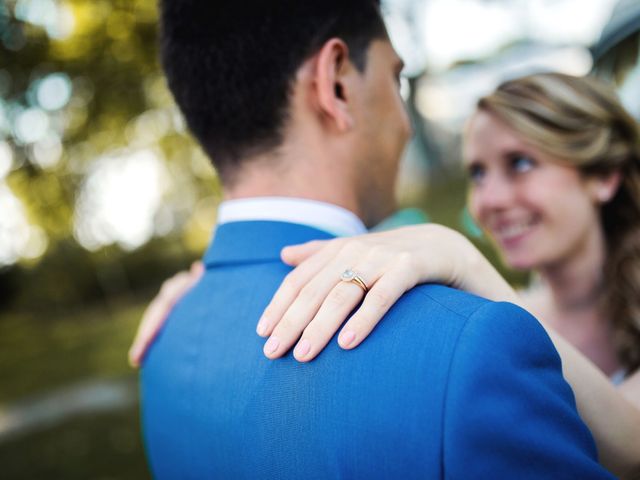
[
  {"x": 290, "y": 283},
  {"x": 334, "y": 244},
  {"x": 379, "y": 300},
  {"x": 352, "y": 247},
  {"x": 376, "y": 251},
  {"x": 307, "y": 294},
  {"x": 337, "y": 298},
  {"x": 337, "y": 246},
  {"x": 404, "y": 260},
  {"x": 160, "y": 302},
  {"x": 166, "y": 287}
]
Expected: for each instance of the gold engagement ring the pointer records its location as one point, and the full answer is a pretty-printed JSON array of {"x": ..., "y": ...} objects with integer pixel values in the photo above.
[{"x": 352, "y": 277}]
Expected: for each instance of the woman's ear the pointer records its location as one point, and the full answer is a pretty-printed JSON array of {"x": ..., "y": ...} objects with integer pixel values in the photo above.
[
  {"x": 604, "y": 187},
  {"x": 331, "y": 75}
]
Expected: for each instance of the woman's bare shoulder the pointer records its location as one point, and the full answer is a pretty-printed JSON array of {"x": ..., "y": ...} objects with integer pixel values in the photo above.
[{"x": 534, "y": 298}]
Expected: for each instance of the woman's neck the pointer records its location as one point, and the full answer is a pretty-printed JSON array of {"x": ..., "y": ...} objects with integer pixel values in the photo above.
[
  {"x": 570, "y": 298},
  {"x": 575, "y": 282}
]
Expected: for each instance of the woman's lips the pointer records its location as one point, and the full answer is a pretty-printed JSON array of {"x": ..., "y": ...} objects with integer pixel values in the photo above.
[{"x": 510, "y": 235}]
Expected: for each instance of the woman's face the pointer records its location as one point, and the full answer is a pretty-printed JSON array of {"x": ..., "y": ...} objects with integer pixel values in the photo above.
[{"x": 537, "y": 211}]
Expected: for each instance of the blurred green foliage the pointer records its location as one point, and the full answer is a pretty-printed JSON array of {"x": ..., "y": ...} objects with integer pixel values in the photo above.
[
  {"x": 108, "y": 56},
  {"x": 107, "y": 51}
]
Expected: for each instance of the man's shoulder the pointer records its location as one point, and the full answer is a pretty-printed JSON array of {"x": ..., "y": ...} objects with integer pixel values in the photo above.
[
  {"x": 469, "y": 318},
  {"x": 456, "y": 302},
  {"x": 445, "y": 307}
]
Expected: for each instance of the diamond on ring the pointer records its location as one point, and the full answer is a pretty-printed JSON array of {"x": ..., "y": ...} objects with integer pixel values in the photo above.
[
  {"x": 351, "y": 276},
  {"x": 347, "y": 275}
]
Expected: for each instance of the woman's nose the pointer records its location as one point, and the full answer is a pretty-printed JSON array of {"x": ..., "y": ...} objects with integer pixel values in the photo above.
[{"x": 496, "y": 193}]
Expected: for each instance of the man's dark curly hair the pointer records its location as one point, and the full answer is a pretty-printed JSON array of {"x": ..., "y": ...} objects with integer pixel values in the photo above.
[{"x": 231, "y": 64}]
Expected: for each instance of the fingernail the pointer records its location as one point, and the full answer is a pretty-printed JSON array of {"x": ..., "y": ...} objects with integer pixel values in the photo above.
[
  {"x": 302, "y": 348},
  {"x": 272, "y": 345},
  {"x": 262, "y": 327},
  {"x": 347, "y": 338}
]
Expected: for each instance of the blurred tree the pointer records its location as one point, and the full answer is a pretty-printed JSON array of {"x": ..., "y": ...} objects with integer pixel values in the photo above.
[{"x": 80, "y": 82}]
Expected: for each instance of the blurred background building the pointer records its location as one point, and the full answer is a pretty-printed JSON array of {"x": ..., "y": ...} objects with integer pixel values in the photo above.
[{"x": 103, "y": 194}]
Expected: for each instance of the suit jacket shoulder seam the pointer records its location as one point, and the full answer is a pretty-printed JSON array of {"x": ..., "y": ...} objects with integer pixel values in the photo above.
[
  {"x": 458, "y": 314},
  {"x": 449, "y": 371}
]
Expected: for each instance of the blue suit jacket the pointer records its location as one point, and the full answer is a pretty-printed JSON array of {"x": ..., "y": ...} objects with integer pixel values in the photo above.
[{"x": 449, "y": 385}]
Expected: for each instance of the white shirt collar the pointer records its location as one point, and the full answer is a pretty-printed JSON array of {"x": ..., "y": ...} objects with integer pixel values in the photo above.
[{"x": 323, "y": 216}]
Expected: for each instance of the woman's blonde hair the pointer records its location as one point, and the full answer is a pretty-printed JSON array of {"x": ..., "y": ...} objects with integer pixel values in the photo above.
[{"x": 580, "y": 121}]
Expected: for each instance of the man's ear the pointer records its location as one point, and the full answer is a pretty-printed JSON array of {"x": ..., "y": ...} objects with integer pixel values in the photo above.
[
  {"x": 331, "y": 75},
  {"x": 604, "y": 187}
]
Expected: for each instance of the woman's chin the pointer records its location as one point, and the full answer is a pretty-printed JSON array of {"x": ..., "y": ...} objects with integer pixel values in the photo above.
[{"x": 520, "y": 262}]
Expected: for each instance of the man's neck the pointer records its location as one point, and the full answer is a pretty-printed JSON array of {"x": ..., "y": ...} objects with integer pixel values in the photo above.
[{"x": 310, "y": 183}]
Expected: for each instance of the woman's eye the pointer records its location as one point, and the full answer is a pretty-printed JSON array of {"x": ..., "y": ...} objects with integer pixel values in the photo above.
[
  {"x": 476, "y": 173},
  {"x": 522, "y": 163}
]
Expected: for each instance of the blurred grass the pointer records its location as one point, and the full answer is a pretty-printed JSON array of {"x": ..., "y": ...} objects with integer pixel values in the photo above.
[
  {"x": 38, "y": 355},
  {"x": 104, "y": 446}
]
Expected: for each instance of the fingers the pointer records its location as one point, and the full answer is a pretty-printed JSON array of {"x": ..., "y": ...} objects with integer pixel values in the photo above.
[
  {"x": 158, "y": 310},
  {"x": 292, "y": 286},
  {"x": 197, "y": 270},
  {"x": 389, "y": 283},
  {"x": 333, "y": 312},
  {"x": 312, "y": 303},
  {"x": 382, "y": 296},
  {"x": 319, "y": 310},
  {"x": 296, "y": 254},
  {"x": 302, "y": 308}
]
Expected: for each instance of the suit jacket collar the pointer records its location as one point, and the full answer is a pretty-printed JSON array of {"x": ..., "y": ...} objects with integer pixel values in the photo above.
[{"x": 257, "y": 241}]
